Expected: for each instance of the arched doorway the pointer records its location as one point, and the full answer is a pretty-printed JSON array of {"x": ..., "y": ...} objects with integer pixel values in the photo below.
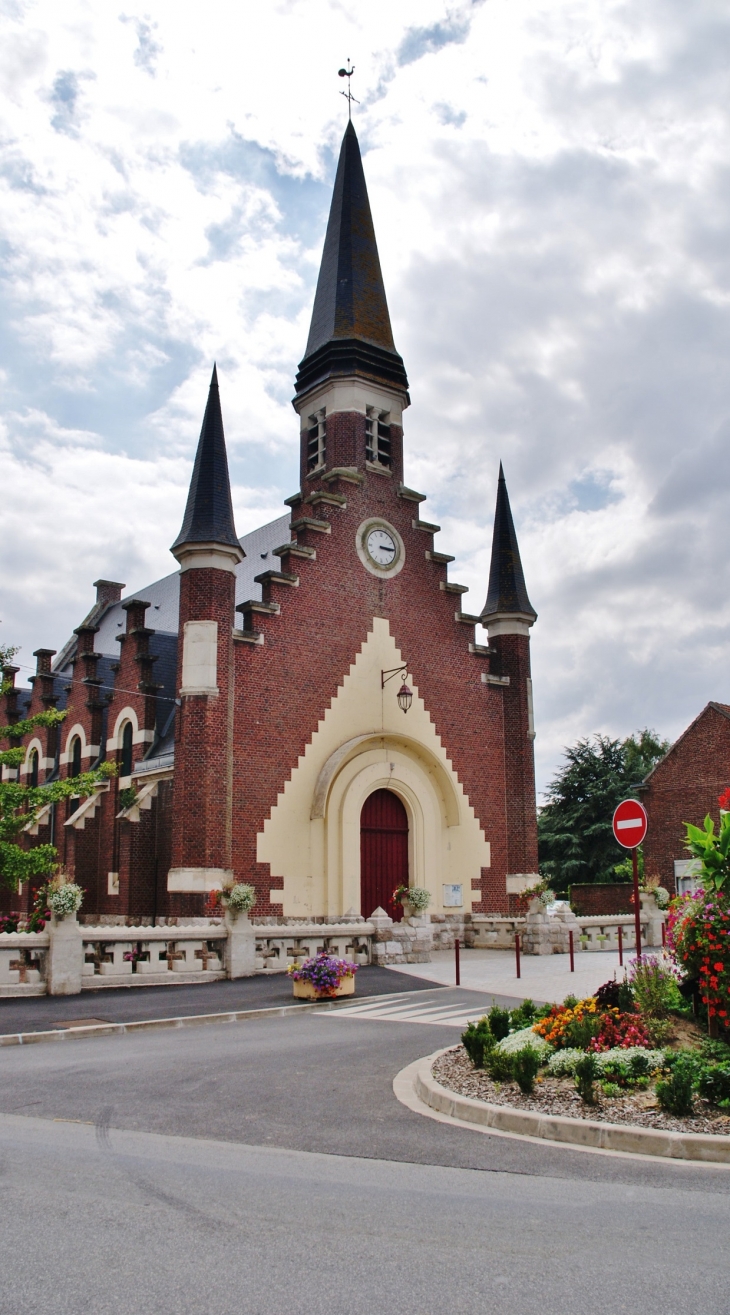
[{"x": 383, "y": 852}]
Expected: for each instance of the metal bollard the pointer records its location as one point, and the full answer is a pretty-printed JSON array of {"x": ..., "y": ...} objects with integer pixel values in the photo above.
[
  {"x": 456, "y": 961},
  {"x": 517, "y": 951},
  {"x": 572, "y": 953}
]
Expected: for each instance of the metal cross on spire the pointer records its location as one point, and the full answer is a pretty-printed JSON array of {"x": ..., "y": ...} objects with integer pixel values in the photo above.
[{"x": 347, "y": 73}]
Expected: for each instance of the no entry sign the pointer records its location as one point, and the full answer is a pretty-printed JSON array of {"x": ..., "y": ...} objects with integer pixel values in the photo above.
[{"x": 630, "y": 823}]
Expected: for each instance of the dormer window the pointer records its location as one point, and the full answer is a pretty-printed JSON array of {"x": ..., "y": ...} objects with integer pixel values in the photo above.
[
  {"x": 316, "y": 440},
  {"x": 377, "y": 437}
]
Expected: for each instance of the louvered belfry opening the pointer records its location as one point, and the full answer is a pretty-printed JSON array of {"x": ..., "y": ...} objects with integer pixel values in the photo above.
[{"x": 383, "y": 852}]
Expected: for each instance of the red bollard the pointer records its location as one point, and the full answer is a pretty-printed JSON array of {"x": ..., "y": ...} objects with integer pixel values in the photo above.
[
  {"x": 456, "y": 961},
  {"x": 517, "y": 951},
  {"x": 620, "y": 947},
  {"x": 664, "y": 935},
  {"x": 572, "y": 954}
]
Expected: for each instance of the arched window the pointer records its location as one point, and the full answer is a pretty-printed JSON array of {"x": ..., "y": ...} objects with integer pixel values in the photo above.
[
  {"x": 74, "y": 769},
  {"x": 33, "y": 773},
  {"x": 126, "y": 763}
]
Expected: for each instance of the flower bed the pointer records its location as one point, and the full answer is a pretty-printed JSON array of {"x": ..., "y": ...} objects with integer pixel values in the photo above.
[
  {"x": 455, "y": 1071},
  {"x": 613, "y": 1056}
]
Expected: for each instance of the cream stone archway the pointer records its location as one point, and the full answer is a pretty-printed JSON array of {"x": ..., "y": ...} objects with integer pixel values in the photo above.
[{"x": 365, "y": 743}]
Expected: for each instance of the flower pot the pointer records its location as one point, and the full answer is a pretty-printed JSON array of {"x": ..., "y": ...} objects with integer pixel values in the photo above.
[{"x": 304, "y": 990}]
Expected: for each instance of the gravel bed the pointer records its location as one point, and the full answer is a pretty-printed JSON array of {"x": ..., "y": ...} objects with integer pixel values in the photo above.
[{"x": 559, "y": 1096}]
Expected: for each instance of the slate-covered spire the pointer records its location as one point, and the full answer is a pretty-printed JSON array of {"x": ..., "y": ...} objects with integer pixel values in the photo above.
[
  {"x": 350, "y": 331},
  {"x": 507, "y": 593},
  {"x": 209, "y": 511}
]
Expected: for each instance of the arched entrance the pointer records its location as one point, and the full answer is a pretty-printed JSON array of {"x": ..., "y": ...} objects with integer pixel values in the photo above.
[{"x": 383, "y": 852}]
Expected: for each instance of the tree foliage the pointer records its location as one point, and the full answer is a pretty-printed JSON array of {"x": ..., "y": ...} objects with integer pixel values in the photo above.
[
  {"x": 575, "y": 839},
  {"x": 20, "y": 804}
]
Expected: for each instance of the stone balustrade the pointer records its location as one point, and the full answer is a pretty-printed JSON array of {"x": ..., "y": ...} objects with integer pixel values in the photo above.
[
  {"x": 152, "y": 956},
  {"x": 23, "y": 962}
]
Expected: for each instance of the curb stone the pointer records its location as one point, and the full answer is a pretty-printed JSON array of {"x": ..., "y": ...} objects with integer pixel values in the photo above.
[{"x": 416, "y": 1087}]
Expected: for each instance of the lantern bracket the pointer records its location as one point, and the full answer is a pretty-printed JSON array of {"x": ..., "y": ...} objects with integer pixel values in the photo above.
[{"x": 385, "y": 676}]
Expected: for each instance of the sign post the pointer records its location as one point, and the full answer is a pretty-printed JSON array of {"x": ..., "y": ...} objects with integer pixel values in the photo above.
[{"x": 630, "y": 824}]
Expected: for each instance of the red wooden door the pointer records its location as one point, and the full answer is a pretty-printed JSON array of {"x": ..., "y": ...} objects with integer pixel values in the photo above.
[{"x": 383, "y": 852}]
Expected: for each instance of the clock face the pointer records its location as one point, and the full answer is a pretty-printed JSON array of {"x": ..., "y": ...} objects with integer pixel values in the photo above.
[{"x": 381, "y": 547}]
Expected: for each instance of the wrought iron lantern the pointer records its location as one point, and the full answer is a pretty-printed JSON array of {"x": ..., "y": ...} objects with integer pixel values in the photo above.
[{"x": 405, "y": 695}]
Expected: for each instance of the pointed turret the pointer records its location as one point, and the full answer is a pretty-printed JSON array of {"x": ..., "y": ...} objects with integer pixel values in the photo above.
[
  {"x": 208, "y": 515},
  {"x": 507, "y": 594},
  {"x": 350, "y": 332}
]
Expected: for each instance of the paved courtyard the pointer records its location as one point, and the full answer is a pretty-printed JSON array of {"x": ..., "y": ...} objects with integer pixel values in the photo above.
[{"x": 545, "y": 977}]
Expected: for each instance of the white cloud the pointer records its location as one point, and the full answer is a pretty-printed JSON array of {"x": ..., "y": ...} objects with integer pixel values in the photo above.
[{"x": 549, "y": 184}]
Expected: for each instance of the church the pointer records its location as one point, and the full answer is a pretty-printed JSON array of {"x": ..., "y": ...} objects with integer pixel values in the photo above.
[{"x": 309, "y": 708}]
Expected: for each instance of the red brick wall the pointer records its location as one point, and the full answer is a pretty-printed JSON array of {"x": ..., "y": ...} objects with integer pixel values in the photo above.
[
  {"x": 599, "y": 900},
  {"x": 684, "y": 788},
  {"x": 284, "y": 686}
]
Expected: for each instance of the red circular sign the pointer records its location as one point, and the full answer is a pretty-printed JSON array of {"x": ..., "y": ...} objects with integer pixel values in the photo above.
[{"x": 630, "y": 823}]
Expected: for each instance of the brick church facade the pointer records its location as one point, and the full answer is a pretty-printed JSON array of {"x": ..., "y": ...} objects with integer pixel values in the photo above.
[{"x": 308, "y": 709}]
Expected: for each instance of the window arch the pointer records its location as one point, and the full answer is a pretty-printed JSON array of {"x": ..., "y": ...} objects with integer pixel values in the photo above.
[
  {"x": 125, "y": 768},
  {"x": 33, "y": 769}
]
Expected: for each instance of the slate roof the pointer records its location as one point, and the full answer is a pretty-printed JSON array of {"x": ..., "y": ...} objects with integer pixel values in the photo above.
[
  {"x": 209, "y": 512},
  {"x": 350, "y": 331},
  {"x": 507, "y": 591}
]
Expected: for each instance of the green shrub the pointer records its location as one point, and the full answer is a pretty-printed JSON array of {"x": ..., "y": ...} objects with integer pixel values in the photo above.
[
  {"x": 525, "y": 1064},
  {"x": 586, "y": 1072},
  {"x": 654, "y": 986},
  {"x": 498, "y": 1022},
  {"x": 625, "y": 998},
  {"x": 610, "y": 1089},
  {"x": 717, "y": 1052},
  {"x": 714, "y": 1084},
  {"x": 570, "y": 1002},
  {"x": 579, "y": 1034},
  {"x": 618, "y": 1073},
  {"x": 639, "y": 1066},
  {"x": 499, "y": 1065},
  {"x": 523, "y": 1015},
  {"x": 477, "y": 1041},
  {"x": 675, "y": 1092}
]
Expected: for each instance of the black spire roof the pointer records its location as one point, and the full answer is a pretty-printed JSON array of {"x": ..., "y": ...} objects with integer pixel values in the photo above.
[
  {"x": 350, "y": 331},
  {"x": 209, "y": 512},
  {"x": 507, "y": 592}
]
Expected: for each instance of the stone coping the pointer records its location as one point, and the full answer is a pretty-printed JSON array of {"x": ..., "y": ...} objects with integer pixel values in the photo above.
[{"x": 416, "y": 1087}]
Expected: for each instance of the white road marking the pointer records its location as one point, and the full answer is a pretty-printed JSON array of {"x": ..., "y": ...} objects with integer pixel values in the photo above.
[{"x": 412, "y": 1012}]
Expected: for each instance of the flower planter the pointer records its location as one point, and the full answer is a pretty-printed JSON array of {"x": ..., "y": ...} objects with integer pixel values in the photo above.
[{"x": 305, "y": 991}]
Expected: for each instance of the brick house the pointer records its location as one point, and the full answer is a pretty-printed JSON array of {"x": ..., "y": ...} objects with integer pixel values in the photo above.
[
  {"x": 307, "y": 708},
  {"x": 684, "y": 787}
]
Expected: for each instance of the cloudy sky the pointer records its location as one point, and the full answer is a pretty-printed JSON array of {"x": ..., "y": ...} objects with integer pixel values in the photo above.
[{"x": 551, "y": 191}]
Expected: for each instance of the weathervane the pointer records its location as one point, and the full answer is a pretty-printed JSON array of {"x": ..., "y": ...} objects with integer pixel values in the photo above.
[{"x": 347, "y": 73}]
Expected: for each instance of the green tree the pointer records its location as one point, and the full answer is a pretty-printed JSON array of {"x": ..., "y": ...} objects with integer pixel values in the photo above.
[
  {"x": 575, "y": 839},
  {"x": 20, "y": 804}
]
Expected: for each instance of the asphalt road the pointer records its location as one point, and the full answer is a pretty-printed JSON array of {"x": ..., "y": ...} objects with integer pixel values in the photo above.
[{"x": 262, "y": 1166}]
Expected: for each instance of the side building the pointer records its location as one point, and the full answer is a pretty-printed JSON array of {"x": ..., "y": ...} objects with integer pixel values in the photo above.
[{"x": 307, "y": 708}]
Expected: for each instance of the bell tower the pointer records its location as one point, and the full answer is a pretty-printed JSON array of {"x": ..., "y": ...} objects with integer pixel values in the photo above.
[{"x": 351, "y": 388}]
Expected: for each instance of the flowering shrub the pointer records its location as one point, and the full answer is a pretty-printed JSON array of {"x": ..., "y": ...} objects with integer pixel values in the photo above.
[
  {"x": 239, "y": 898},
  {"x": 64, "y": 898},
  {"x": 9, "y": 921},
  {"x": 654, "y": 984},
  {"x": 417, "y": 896},
  {"x": 555, "y": 1028},
  {"x": 563, "y": 1062},
  {"x": 325, "y": 972},
  {"x": 541, "y": 890},
  {"x": 712, "y": 850},
  {"x": 699, "y": 938},
  {"x": 619, "y": 1032},
  {"x": 517, "y": 1041}
]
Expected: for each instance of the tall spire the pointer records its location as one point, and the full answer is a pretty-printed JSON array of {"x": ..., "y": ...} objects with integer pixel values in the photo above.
[
  {"x": 350, "y": 331},
  {"x": 507, "y": 593},
  {"x": 209, "y": 511}
]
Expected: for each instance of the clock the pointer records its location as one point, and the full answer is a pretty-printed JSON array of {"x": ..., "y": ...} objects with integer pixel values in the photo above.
[{"x": 381, "y": 547}]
